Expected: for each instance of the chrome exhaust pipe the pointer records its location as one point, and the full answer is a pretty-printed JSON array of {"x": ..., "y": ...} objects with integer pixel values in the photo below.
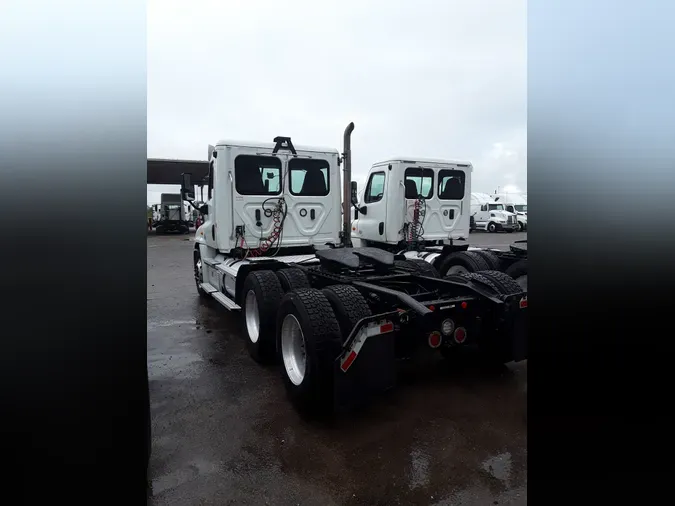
[{"x": 347, "y": 187}]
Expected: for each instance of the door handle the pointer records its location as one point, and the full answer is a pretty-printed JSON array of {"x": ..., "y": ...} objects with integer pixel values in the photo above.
[
  {"x": 312, "y": 214},
  {"x": 258, "y": 223}
]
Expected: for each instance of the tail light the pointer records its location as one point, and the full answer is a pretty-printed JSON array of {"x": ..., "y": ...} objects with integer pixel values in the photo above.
[
  {"x": 435, "y": 339},
  {"x": 460, "y": 335}
]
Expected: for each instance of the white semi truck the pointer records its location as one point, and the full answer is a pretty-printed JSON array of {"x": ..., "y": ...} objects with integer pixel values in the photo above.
[
  {"x": 422, "y": 208},
  {"x": 491, "y": 215},
  {"x": 514, "y": 203},
  {"x": 276, "y": 245}
]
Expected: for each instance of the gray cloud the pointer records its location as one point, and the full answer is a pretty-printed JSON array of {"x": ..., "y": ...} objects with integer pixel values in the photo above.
[{"x": 424, "y": 78}]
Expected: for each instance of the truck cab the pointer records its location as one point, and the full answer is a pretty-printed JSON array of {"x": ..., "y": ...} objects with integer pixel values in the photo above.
[
  {"x": 491, "y": 215},
  {"x": 270, "y": 195},
  {"x": 413, "y": 200}
]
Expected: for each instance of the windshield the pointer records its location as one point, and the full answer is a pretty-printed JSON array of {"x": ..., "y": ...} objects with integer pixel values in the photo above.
[
  {"x": 521, "y": 208},
  {"x": 496, "y": 207}
]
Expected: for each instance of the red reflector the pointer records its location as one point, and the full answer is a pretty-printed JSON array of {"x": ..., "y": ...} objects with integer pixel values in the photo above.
[
  {"x": 523, "y": 303},
  {"x": 432, "y": 308},
  {"x": 348, "y": 361},
  {"x": 464, "y": 304},
  {"x": 460, "y": 335},
  {"x": 387, "y": 327},
  {"x": 435, "y": 339}
]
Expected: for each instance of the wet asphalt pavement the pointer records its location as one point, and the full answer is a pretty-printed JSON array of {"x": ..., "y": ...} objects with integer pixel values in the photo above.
[{"x": 224, "y": 433}]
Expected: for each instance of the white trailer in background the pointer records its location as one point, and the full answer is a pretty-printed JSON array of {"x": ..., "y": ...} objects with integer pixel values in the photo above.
[
  {"x": 490, "y": 215},
  {"x": 514, "y": 203}
]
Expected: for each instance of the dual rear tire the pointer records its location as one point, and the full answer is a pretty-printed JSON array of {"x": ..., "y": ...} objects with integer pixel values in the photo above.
[{"x": 303, "y": 327}]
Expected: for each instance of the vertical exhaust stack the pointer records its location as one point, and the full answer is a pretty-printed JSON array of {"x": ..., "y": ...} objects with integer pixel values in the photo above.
[{"x": 346, "y": 187}]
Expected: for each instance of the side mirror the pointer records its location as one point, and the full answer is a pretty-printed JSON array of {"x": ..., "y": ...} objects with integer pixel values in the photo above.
[
  {"x": 187, "y": 190},
  {"x": 355, "y": 194}
]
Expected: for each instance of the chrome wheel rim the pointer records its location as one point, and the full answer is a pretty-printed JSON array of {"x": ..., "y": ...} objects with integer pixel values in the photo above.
[
  {"x": 293, "y": 349},
  {"x": 199, "y": 277},
  {"x": 252, "y": 317},
  {"x": 457, "y": 270}
]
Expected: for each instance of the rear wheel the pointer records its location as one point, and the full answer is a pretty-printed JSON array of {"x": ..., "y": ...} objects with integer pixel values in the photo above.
[
  {"x": 292, "y": 278},
  {"x": 310, "y": 341},
  {"x": 262, "y": 294},
  {"x": 491, "y": 258},
  {"x": 505, "y": 284},
  {"x": 518, "y": 271},
  {"x": 418, "y": 266},
  {"x": 463, "y": 262},
  {"x": 348, "y": 305}
]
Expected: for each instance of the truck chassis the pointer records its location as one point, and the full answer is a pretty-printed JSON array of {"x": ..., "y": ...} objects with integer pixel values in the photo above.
[{"x": 339, "y": 319}]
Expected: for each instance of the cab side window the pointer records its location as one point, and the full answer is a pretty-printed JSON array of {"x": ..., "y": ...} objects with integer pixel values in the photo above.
[{"x": 374, "y": 188}]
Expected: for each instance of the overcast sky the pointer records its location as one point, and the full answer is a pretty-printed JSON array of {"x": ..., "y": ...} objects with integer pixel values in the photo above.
[{"x": 423, "y": 78}]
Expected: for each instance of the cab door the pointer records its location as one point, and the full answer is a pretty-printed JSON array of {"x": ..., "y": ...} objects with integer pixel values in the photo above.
[
  {"x": 451, "y": 197},
  {"x": 312, "y": 218},
  {"x": 371, "y": 226},
  {"x": 257, "y": 188}
]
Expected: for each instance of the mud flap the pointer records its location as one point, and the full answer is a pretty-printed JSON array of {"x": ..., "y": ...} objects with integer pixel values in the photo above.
[
  {"x": 366, "y": 367},
  {"x": 520, "y": 331}
]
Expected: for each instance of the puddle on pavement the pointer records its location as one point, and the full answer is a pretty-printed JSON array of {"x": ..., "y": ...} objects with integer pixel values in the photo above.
[
  {"x": 176, "y": 365},
  {"x": 419, "y": 469},
  {"x": 193, "y": 470},
  {"x": 170, "y": 323},
  {"x": 499, "y": 466}
]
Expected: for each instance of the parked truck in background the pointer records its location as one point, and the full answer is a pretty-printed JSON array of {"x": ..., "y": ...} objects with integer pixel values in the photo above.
[
  {"x": 172, "y": 215},
  {"x": 490, "y": 215},
  {"x": 421, "y": 208},
  {"x": 514, "y": 203}
]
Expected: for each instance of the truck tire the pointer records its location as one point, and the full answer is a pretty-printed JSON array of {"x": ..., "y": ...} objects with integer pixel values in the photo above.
[
  {"x": 292, "y": 278},
  {"x": 463, "y": 262},
  {"x": 492, "y": 227},
  {"x": 505, "y": 283},
  {"x": 309, "y": 342},
  {"x": 348, "y": 305},
  {"x": 199, "y": 273},
  {"x": 478, "y": 277},
  {"x": 417, "y": 266},
  {"x": 261, "y": 296},
  {"x": 518, "y": 271},
  {"x": 491, "y": 258}
]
